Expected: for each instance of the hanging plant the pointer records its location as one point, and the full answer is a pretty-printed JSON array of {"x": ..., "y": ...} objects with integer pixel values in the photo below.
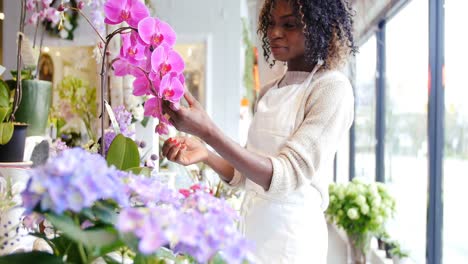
[{"x": 65, "y": 29}]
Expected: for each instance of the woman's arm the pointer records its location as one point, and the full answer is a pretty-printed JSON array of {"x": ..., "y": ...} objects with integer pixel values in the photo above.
[{"x": 257, "y": 168}]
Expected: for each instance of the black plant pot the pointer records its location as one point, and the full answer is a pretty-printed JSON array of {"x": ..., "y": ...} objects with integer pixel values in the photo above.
[
  {"x": 388, "y": 248},
  {"x": 13, "y": 151},
  {"x": 381, "y": 244}
]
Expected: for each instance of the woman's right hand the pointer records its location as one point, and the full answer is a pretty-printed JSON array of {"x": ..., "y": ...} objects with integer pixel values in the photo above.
[{"x": 185, "y": 150}]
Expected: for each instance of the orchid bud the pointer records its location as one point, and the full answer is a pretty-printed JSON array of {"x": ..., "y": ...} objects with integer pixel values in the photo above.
[
  {"x": 81, "y": 5},
  {"x": 154, "y": 157},
  {"x": 61, "y": 8}
]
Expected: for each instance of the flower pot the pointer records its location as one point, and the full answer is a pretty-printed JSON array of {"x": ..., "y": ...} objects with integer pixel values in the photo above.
[
  {"x": 35, "y": 104},
  {"x": 13, "y": 151}
]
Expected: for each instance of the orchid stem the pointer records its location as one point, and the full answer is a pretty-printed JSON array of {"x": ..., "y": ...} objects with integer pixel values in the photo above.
[{"x": 104, "y": 77}]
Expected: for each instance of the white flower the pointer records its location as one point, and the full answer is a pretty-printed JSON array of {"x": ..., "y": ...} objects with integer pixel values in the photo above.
[
  {"x": 379, "y": 219},
  {"x": 138, "y": 112},
  {"x": 360, "y": 200},
  {"x": 353, "y": 213},
  {"x": 376, "y": 202},
  {"x": 364, "y": 209},
  {"x": 63, "y": 33}
]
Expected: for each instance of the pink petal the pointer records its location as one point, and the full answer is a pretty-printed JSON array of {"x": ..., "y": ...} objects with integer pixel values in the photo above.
[
  {"x": 165, "y": 85},
  {"x": 153, "y": 107},
  {"x": 169, "y": 35},
  {"x": 158, "y": 57},
  {"x": 178, "y": 90},
  {"x": 138, "y": 11},
  {"x": 162, "y": 129},
  {"x": 121, "y": 67},
  {"x": 141, "y": 86},
  {"x": 176, "y": 61},
  {"x": 146, "y": 29},
  {"x": 113, "y": 10}
]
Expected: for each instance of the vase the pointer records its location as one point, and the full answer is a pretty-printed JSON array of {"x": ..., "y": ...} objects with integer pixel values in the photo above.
[
  {"x": 35, "y": 104},
  {"x": 13, "y": 151},
  {"x": 356, "y": 254}
]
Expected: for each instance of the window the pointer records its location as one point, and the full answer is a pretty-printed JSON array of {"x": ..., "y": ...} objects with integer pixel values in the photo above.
[
  {"x": 364, "y": 120},
  {"x": 455, "y": 229},
  {"x": 406, "y": 163}
]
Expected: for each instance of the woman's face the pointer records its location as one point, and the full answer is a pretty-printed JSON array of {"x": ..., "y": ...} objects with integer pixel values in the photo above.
[{"x": 287, "y": 40}]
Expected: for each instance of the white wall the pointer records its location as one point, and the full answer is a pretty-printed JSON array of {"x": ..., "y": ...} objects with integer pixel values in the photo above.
[{"x": 218, "y": 23}]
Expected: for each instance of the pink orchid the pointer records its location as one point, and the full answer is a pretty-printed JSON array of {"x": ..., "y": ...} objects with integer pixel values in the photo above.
[
  {"x": 46, "y": 3},
  {"x": 154, "y": 32},
  {"x": 130, "y": 11},
  {"x": 52, "y": 15},
  {"x": 132, "y": 50},
  {"x": 141, "y": 86},
  {"x": 171, "y": 89},
  {"x": 30, "y": 5},
  {"x": 165, "y": 60},
  {"x": 122, "y": 67},
  {"x": 33, "y": 19},
  {"x": 162, "y": 129},
  {"x": 153, "y": 108}
]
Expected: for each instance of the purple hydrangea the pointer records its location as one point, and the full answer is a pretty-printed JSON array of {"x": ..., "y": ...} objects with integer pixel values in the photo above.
[
  {"x": 201, "y": 226},
  {"x": 73, "y": 180}
]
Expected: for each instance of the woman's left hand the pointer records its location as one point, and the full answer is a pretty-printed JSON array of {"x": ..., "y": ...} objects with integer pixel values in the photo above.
[{"x": 192, "y": 119}]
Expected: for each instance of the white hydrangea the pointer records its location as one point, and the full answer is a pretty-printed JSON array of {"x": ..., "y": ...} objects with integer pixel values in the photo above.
[
  {"x": 353, "y": 213},
  {"x": 365, "y": 209},
  {"x": 360, "y": 200}
]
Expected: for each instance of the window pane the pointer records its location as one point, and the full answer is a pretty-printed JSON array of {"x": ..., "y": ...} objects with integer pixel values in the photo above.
[
  {"x": 455, "y": 231},
  {"x": 364, "y": 121},
  {"x": 406, "y": 125}
]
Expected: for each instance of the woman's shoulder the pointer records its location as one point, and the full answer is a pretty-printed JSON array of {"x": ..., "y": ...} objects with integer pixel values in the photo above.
[{"x": 331, "y": 80}]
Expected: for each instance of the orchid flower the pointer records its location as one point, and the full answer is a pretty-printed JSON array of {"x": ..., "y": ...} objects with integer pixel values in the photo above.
[
  {"x": 153, "y": 108},
  {"x": 165, "y": 60},
  {"x": 162, "y": 128},
  {"x": 131, "y": 49},
  {"x": 130, "y": 11},
  {"x": 171, "y": 89},
  {"x": 155, "y": 32}
]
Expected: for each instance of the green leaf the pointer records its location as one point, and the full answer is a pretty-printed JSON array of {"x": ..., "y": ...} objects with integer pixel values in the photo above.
[
  {"x": 6, "y": 132},
  {"x": 123, "y": 153},
  {"x": 4, "y": 94},
  {"x": 140, "y": 171},
  {"x": 3, "y": 113},
  {"x": 35, "y": 257},
  {"x": 99, "y": 237},
  {"x": 105, "y": 213}
]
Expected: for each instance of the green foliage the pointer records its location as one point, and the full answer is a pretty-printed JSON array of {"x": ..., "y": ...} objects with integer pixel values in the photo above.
[
  {"x": 6, "y": 108},
  {"x": 396, "y": 250},
  {"x": 123, "y": 153},
  {"x": 80, "y": 98},
  {"x": 360, "y": 209}
]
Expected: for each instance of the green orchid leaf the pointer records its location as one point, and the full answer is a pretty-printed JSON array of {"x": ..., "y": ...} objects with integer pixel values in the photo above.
[
  {"x": 6, "y": 132},
  {"x": 140, "y": 171},
  {"x": 4, "y": 94},
  {"x": 123, "y": 153},
  {"x": 3, "y": 113},
  {"x": 36, "y": 257}
]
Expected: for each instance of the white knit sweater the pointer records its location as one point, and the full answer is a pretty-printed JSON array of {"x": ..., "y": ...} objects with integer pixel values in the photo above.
[{"x": 322, "y": 122}]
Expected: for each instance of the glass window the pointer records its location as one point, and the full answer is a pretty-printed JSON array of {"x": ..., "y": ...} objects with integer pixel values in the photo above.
[
  {"x": 406, "y": 162},
  {"x": 364, "y": 120},
  {"x": 455, "y": 230}
]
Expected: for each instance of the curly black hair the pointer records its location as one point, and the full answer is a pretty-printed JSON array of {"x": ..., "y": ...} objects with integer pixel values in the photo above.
[{"x": 327, "y": 26}]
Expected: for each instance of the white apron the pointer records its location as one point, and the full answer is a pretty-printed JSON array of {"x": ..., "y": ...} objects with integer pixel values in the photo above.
[{"x": 289, "y": 228}]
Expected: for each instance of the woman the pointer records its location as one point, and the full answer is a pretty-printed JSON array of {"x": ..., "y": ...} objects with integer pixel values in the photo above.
[{"x": 298, "y": 123}]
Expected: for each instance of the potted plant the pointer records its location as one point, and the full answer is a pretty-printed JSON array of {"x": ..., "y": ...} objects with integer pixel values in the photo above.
[
  {"x": 398, "y": 255},
  {"x": 361, "y": 209},
  {"x": 36, "y": 94},
  {"x": 12, "y": 134}
]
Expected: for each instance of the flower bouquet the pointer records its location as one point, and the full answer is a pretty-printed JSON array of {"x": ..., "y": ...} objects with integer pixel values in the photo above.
[
  {"x": 94, "y": 209},
  {"x": 361, "y": 209}
]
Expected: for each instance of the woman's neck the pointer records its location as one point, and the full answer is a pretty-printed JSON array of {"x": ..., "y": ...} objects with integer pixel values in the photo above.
[{"x": 300, "y": 64}]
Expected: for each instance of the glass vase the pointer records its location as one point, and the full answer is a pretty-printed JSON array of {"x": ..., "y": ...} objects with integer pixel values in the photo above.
[{"x": 356, "y": 253}]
